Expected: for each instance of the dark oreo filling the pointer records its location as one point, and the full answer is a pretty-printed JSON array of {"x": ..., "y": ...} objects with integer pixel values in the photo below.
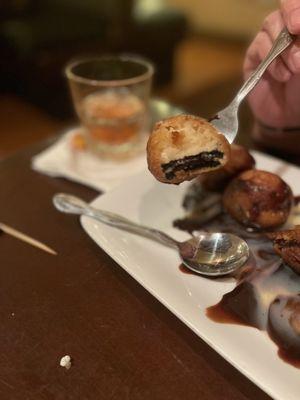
[{"x": 202, "y": 160}]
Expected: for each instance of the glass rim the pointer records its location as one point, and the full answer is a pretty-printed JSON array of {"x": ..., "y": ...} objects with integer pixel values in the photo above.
[{"x": 114, "y": 82}]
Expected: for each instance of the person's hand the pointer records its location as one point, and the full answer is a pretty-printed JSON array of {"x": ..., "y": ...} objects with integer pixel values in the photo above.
[{"x": 275, "y": 101}]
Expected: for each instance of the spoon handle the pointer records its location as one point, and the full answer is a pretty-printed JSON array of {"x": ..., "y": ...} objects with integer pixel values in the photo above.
[
  {"x": 283, "y": 40},
  {"x": 73, "y": 205}
]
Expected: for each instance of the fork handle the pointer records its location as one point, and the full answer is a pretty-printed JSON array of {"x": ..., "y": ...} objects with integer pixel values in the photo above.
[{"x": 283, "y": 40}]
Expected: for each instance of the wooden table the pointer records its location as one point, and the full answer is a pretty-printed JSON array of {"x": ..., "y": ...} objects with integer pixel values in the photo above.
[
  {"x": 22, "y": 124},
  {"x": 124, "y": 344}
]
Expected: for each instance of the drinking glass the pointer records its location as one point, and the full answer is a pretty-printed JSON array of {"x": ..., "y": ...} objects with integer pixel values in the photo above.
[{"x": 111, "y": 98}]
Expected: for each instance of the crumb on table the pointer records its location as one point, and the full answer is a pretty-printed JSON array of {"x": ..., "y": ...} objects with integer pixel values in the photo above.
[{"x": 65, "y": 362}]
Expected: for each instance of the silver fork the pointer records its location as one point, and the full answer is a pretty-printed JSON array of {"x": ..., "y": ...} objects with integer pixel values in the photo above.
[{"x": 226, "y": 121}]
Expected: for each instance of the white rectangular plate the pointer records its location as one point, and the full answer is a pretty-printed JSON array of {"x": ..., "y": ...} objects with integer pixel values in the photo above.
[{"x": 151, "y": 203}]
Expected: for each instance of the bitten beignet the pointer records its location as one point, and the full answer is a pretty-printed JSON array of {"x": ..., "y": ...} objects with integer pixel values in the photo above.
[
  {"x": 287, "y": 245},
  {"x": 182, "y": 147}
]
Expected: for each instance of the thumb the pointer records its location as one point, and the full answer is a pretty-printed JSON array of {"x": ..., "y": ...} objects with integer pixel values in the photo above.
[{"x": 291, "y": 15}]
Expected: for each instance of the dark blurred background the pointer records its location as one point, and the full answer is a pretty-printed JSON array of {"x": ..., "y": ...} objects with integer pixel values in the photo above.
[{"x": 197, "y": 47}]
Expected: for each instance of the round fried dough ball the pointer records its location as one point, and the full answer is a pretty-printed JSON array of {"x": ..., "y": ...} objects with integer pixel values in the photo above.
[{"x": 258, "y": 199}]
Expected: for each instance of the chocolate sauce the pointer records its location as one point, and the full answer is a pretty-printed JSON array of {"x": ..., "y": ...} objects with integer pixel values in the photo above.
[
  {"x": 266, "y": 296},
  {"x": 265, "y": 254},
  {"x": 267, "y": 292},
  {"x": 222, "y": 312},
  {"x": 202, "y": 160},
  {"x": 296, "y": 200},
  {"x": 185, "y": 270}
]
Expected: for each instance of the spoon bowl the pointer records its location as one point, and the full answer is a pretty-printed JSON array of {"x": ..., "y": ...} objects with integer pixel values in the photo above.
[{"x": 212, "y": 254}]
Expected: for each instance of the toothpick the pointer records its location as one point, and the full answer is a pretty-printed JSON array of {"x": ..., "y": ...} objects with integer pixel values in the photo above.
[{"x": 25, "y": 238}]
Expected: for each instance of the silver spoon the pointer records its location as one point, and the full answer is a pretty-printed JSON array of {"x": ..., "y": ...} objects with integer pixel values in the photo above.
[
  {"x": 210, "y": 254},
  {"x": 226, "y": 121}
]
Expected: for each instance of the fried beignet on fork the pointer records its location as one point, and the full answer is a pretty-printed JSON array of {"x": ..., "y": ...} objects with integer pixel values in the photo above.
[{"x": 182, "y": 147}]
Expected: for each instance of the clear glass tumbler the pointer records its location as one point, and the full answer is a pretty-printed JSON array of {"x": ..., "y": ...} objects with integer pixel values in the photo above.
[{"x": 111, "y": 98}]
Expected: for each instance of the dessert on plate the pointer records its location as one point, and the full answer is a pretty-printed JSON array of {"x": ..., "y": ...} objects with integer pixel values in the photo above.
[
  {"x": 257, "y": 205},
  {"x": 287, "y": 245},
  {"x": 258, "y": 199},
  {"x": 230, "y": 195}
]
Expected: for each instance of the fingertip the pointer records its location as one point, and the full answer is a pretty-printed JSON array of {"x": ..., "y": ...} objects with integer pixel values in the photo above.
[
  {"x": 285, "y": 76},
  {"x": 279, "y": 71},
  {"x": 295, "y": 62},
  {"x": 293, "y": 22}
]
